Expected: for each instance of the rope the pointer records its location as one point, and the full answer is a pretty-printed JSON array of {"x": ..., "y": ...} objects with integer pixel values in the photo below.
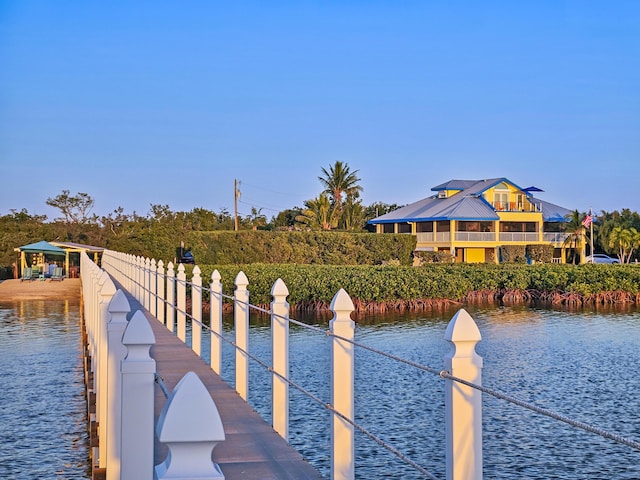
[
  {"x": 330, "y": 408},
  {"x": 543, "y": 411},
  {"x": 443, "y": 374},
  {"x": 160, "y": 381}
]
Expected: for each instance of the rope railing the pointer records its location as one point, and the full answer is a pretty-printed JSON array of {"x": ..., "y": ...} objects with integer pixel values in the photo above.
[
  {"x": 544, "y": 411},
  {"x": 160, "y": 381},
  {"x": 444, "y": 374},
  {"x": 267, "y": 367}
]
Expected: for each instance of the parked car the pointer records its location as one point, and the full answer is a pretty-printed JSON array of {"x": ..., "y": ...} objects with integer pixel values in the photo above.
[
  {"x": 187, "y": 257},
  {"x": 601, "y": 258}
]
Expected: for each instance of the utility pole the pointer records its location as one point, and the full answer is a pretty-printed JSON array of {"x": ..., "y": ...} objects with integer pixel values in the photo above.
[{"x": 236, "y": 195}]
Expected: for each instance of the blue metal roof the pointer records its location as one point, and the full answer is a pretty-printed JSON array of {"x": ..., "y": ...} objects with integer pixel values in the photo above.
[{"x": 465, "y": 205}]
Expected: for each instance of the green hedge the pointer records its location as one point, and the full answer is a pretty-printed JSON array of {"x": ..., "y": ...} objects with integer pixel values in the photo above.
[
  {"x": 310, "y": 284},
  {"x": 321, "y": 248}
]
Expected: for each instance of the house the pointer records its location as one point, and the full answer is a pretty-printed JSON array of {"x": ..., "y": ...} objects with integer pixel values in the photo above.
[{"x": 473, "y": 219}]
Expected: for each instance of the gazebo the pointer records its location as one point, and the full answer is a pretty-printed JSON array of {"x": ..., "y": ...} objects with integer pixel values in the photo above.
[{"x": 39, "y": 255}]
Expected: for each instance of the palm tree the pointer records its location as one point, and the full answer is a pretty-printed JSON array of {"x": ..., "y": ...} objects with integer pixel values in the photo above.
[
  {"x": 625, "y": 240},
  {"x": 574, "y": 229},
  {"x": 339, "y": 181},
  {"x": 353, "y": 214},
  {"x": 319, "y": 214}
]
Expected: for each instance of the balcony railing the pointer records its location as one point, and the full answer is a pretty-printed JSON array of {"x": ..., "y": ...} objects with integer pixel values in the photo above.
[
  {"x": 426, "y": 237},
  {"x": 516, "y": 207},
  {"x": 475, "y": 236},
  {"x": 555, "y": 237},
  {"x": 519, "y": 236},
  {"x": 431, "y": 237}
]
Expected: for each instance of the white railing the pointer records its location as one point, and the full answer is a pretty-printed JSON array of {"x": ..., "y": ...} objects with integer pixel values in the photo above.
[
  {"x": 519, "y": 236},
  {"x": 463, "y": 404},
  {"x": 121, "y": 378},
  {"x": 475, "y": 237},
  {"x": 462, "y": 366},
  {"x": 426, "y": 237},
  {"x": 555, "y": 237}
]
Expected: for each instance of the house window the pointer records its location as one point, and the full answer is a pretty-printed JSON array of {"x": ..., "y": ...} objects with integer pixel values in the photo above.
[
  {"x": 424, "y": 227},
  {"x": 404, "y": 228},
  {"x": 475, "y": 226},
  {"x": 388, "y": 228},
  {"x": 443, "y": 226}
]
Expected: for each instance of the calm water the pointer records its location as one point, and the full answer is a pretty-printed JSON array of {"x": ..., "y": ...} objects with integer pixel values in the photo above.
[
  {"x": 583, "y": 365},
  {"x": 42, "y": 411}
]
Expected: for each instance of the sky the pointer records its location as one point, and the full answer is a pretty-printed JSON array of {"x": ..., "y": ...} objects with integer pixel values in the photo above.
[{"x": 140, "y": 103}]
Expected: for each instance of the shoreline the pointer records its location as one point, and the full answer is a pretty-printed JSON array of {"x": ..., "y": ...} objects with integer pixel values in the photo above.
[{"x": 15, "y": 290}]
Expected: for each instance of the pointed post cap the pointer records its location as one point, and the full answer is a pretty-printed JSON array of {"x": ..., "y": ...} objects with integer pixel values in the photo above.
[
  {"x": 190, "y": 414},
  {"x": 462, "y": 328},
  {"x": 138, "y": 331},
  {"x": 241, "y": 280},
  {"x": 279, "y": 289},
  {"x": 342, "y": 302},
  {"x": 215, "y": 276}
]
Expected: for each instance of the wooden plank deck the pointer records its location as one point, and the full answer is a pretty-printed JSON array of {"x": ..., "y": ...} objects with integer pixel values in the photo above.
[{"x": 252, "y": 449}]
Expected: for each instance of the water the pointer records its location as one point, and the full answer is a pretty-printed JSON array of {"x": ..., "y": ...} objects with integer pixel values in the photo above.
[
  {"x": 583, "y": 365},
  {"x": 43, "y": 425},
  {"x": 580, "y": 365}
]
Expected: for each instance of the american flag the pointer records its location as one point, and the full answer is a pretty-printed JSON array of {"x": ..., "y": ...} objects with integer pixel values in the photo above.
[{"x": 587, "y": 221}]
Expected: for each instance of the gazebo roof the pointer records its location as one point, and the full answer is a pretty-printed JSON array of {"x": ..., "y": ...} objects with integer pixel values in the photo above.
[{"x": 41, "y": 247}]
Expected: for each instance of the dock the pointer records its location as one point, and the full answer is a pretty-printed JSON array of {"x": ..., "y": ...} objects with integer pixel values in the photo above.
[{"x": 252, "y": 449}]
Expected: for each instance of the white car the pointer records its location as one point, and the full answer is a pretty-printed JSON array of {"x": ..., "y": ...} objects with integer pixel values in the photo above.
[{"x": 601, "y": 258}]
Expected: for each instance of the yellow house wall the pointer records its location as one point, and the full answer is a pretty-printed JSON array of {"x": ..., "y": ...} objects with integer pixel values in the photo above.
[{"x": 474, "y": 255}]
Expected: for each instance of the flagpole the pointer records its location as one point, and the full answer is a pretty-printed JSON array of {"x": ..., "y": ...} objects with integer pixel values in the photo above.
[{"x": 591, "y": 225}]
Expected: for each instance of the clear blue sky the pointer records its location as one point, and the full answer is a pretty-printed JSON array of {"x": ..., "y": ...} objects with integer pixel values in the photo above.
[{"x": 158, "y": 102}]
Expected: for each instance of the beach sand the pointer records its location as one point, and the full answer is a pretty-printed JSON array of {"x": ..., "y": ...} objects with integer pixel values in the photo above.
[{"x": 69, "y": 288}]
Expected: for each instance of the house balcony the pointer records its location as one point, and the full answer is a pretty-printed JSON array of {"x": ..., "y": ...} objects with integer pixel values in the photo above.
[
  {"x": 475, "y": 236},
  {"x": 430, "y": 237},
  {"x": 503, "y": 237},
  {"x": 516, "y": 207},
  {"x": 519, "y": 236},
  {"x": 557, "y": 238}
]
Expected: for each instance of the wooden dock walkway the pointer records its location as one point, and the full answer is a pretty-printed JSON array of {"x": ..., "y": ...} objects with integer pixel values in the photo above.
[{"x": 252, "y": 449}]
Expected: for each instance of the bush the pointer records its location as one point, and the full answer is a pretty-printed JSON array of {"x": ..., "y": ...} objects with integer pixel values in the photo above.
[
  {"x": 513, "y": 254},
  {"x": 320, "y": 248},
  {"x": 433, "y": 257},
  {"x": 540, "y": 253},
  {"x": 317, "y": 284}
]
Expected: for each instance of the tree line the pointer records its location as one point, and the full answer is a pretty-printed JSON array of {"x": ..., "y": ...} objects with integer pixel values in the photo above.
[{"x": 338, "y": 207}]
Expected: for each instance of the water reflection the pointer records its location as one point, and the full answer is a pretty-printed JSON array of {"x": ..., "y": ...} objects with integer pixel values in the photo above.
[{"x": 42, "y": 418}]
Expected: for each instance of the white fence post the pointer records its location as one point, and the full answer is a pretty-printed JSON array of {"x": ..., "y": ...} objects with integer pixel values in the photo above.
[
  {"x": 161, "y": 292},
  {"x": 196, "y": 311},
  {"x": 463, "y": 404},
  {"x": 146, "y": 268},
  {"x": 118, "y": 309},
  {"x": 153, "y": 288},
  {"x": 138, "y": 279},
  {"x": 280, "y": 358},
  {"x": 181, "y": 310},
  {"x": 138, "y": 400},
  {"x": 241, "y": 323},
  {"x": 171, "y": 298},
  {"x": 106, "y": 291},
  {"x": 342, "y": 391},
  {"x": 190, "y": 426},
  {"x": 215, "y": 321}
]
